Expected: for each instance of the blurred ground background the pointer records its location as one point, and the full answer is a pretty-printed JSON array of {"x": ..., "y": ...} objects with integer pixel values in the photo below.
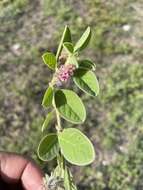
[{"x": 114, "y": 122}]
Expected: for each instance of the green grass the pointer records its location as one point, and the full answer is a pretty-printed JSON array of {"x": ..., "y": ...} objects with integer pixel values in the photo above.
[{"x": 12, "y": 8}]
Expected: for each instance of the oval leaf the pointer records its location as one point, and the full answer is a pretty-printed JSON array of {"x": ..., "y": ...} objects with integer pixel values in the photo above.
[
  {"x": 86, "y": 81},
  {"x": 47, "y": 120},
  {"x": 76, "y": 147},
  {"x": 48, "y": 97},
  {"x": 70, "y": 106},
  {"x": 66, "y": 37},
  {"x": 48, "y": 147},
  {"x": 68, "y": 47},
  {"x": 84, "y": 40},
  {"x": 50, "y": 60},
  {"x": 87, "y": 64}
]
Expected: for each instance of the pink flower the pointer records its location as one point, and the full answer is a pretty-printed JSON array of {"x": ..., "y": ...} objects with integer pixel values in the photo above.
[
  {"x": 64, "y": 73},
  {"x": 64, "y": 76}
]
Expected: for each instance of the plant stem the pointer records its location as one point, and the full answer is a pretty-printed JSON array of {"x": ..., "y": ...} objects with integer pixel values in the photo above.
[
  {"x": 58, "y": 126},
  {"x": 60, "y": 158}
]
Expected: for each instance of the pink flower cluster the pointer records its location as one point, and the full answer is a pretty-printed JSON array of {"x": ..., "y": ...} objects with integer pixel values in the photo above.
[{"x": 64, "y": 73}]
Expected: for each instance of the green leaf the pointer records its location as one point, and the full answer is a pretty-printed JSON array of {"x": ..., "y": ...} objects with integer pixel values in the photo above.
[
  {"x": 70, "y": 106},
  {"x": 48, "y": 97},
  {"x": 49, "y": 117},
  {"x": 86, "y": 81},
  {"x": 87, "y": 64},
  {"x": 72, "y": 60},
  {"x": 50, "y": 60},
  {"x": 48, "y": 148},
  {"x": 83, "y": 41},
  {"x": 66, "y": 37},
  {"x": 68, "y": 47},
  {"x": 76, "y": 147}
]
